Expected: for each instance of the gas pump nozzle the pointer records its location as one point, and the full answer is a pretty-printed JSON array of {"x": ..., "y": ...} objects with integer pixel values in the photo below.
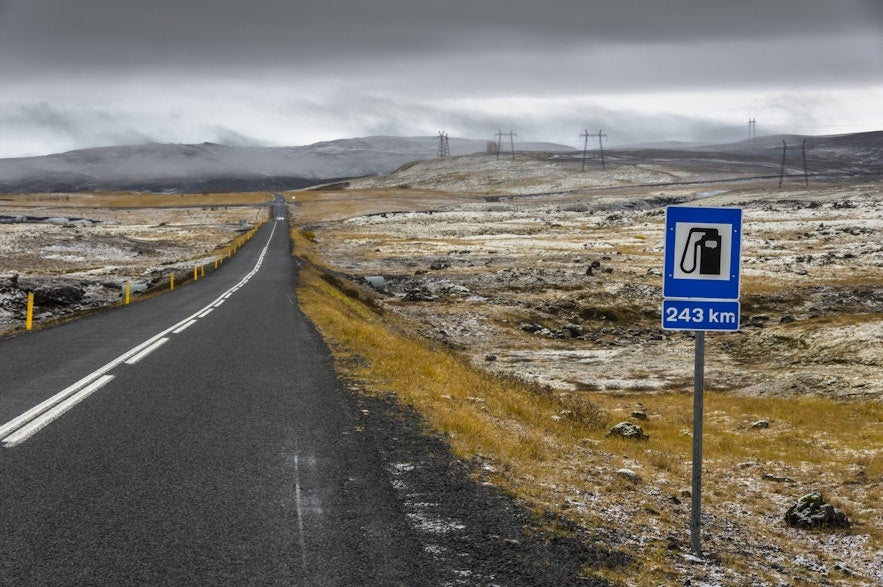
[{"x": 705, "y": 246}]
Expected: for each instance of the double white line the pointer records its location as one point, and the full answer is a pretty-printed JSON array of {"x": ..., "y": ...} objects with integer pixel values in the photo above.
[{"x": 29, "y": 423}]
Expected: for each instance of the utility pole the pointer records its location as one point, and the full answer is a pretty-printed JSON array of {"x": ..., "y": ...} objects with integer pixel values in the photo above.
[
  {"x": 586, "y": 136},
  {"x": 444, "y": 149},
  {"x": 803, "y": 148}
]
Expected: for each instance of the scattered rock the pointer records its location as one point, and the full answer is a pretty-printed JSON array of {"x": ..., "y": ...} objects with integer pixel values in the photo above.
[
  {"x": 628, "y": 475},
  {"x": 420, "y": 294},
  {"x": 760, "y": 425},
  {"x": 787, "y": 318},
  {"x": 812, "y": 512},
  {"x": 628, "y": 430},
  {"x": 530, "y": 327},
  {"x": 439, "y": 265},
  {"x": 776, "y": 478},
  {"x": 490, "y": 358},
  {"x": 639, "y": 415}
]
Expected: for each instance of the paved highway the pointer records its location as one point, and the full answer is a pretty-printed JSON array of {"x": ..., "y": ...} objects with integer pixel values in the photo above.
[{"x": 199, "y": 437}]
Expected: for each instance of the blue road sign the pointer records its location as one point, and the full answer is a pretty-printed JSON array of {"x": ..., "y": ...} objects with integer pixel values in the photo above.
[
  {"x": 702, "y": 253},
  {"x": 700, "y": 315}
]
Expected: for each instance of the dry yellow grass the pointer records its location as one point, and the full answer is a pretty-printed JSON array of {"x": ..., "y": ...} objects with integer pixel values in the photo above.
[{"x": 547, "y": 447}]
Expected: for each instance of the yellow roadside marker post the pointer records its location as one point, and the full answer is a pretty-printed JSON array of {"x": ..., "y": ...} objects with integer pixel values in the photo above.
[
  {"x": 29, "y": 319},
  {"x": 172, "y": 282},
  {"x": 128, "y": 292},
  {"x": 195, "y": 273}
]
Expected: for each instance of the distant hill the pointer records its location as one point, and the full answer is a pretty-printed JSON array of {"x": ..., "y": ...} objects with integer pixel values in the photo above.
[{"x": 213, "y": 167}]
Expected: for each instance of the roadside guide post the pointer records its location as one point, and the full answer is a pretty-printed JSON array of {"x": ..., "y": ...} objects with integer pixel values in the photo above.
[{"x": 700, "y": 287}]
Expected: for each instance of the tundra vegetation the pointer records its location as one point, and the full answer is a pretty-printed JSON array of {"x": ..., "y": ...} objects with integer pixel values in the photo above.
[{"x": 520, "y": 318}]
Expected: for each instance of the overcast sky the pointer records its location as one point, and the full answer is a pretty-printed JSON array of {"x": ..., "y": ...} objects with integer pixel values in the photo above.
[{"x": 84, "y": 73}]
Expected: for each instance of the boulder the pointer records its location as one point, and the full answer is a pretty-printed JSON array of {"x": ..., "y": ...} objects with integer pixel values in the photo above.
[
  {"x": 760, "y": 425},
  {"x": 811, "y": 512},
  {"x": 628, "y": 430},
  {"x": 639, "y": 414},
  {"x": 60, "y": 295},
  {"x": 628, "y": 475},
  {"x": 575, "y": 330}
]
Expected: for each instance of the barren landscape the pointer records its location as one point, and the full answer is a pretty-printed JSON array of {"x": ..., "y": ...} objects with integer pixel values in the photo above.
[
  {"x": 504, "y": 272},
  {"x": 77, "y": 251},
  {"x": 535, "y": 272}
]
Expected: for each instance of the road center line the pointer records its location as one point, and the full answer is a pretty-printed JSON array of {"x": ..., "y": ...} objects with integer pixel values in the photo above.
[
  {"x": 147, "y": 351},
  {"x": 40, "y": 422},
  {"x": 184, "y": 327},
  {"x": 50, "y": 409}
]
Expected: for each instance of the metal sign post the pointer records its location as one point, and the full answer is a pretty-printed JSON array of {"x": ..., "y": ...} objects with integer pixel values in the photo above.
[
  {"x": 696, "y": 487},
  {"x": 701, "y": 290}
]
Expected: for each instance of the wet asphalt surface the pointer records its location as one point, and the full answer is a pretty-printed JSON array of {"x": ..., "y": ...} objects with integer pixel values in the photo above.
[{"x": 233, "y": 455}]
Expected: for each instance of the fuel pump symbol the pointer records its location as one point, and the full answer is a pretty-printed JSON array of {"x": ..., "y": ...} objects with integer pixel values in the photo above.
[{"x": 703, "y": 249}]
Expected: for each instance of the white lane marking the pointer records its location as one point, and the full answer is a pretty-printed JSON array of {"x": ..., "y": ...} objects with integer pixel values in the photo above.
[
  {"x": 47, "y": 406},
  {"x": 206, "y": 313},
  {"x": 147, "y": 351},
  {"x": 219, "y": 304},
  {"x": 300, "y": 514},
  {"x": 184, "y": 327},
  {"x": 40, "y": 422}
]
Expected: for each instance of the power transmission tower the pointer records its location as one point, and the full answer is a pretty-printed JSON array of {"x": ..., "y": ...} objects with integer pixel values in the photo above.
[
  {"x": 803, "y": 148},
  {"x": 752, "y": 128},
  {"x": 601, "y": 136},
  {"x": 444, "y": 148},
  {"x": 499, "y": 136}
]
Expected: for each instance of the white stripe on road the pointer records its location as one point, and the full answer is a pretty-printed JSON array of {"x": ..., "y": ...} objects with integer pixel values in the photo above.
[
  {"x": 41, "y": 421},
  {"x": 184, "y": 327},
  {"x": 50, "y": 409},
  {"x": 147, "y": 351}
]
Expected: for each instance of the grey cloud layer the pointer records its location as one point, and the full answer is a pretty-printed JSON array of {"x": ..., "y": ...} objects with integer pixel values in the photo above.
[
  {"x": 267, "y": 33},
  {"x": 93, "y": 72}
]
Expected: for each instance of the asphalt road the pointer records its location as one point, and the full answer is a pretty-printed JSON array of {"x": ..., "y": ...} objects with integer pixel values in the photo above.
[{"x": 203, "y": 440}]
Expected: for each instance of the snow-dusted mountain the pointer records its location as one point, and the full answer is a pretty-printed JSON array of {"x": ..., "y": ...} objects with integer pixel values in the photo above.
[{"x": 210, "y": 166}]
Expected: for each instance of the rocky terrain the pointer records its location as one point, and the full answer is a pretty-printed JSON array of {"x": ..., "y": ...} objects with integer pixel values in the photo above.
[
  {"x": 564, "y": 287},
  {"x": 76, "y": 252},
  {"x": 537, "y": 271}
]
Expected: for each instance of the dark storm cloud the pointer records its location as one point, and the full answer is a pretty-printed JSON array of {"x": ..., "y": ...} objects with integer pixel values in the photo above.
[
  {"x": 285, "y": 33},
  {"x": 93, "y": 72}
]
